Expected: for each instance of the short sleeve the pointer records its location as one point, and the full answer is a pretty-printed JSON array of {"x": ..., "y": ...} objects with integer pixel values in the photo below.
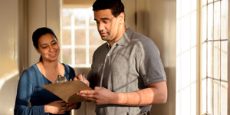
[{"x": 151, "y": 67}]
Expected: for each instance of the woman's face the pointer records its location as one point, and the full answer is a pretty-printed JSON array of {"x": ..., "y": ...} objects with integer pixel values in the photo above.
[{"x": 48, "y": 47}]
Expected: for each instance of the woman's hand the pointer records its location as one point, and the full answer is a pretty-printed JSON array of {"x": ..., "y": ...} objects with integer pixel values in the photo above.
[
  {"x": 56, "y": 107},
  {"x": 81, "y": 78},
  {"x": 71, "y": 106}
]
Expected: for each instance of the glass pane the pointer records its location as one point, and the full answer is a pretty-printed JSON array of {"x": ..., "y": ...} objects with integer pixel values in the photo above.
[
  {"x": 216, "y": 60},
  {"x": 80, "y": 15},
  {"x": 186, "y": 8},
  {"x": 224, "y": 60},
  {"x": 186, "y": 36},
  {"x": 179, "y": 36},
  {"x": 216, "y": 97},
  {"x": 224, "y": 19},
  {"x": 193, "y": 5},
  {"x": 204, "y": 96},
  {"x": 185, "y": 101},
  {"x": 179, "y": 10},
  {"x": 178, "y": 103},
  {"x": 204, "y": 59},
  {"x": 80, "y": 37},
  {"x": 91, "y": 51},
  {"x": 210, "y": 1},
  {"x": 224, "y": 98},
  {"x": 210, "y": 22},
  {"x": 186, "y": 69},
  {"x": 66, "y": 17},
  {"x": 66, "y": 37},
  {"x": 210, "y": 96},
  {"x": 178, "y": 74},
  {"x": 217, "y": 20},
  {"x": 193, "y": 65},
  {"x": 91, "y": 19},
  {"x": 94, "y": 37},
  {"x": 204, "y": 23},
  {"x": 210, "y": 59},
  {"x": 204, "y": 2},
  {"x": 193, "y": 99},
  {"x": 80, "y": 54},
  {"x": 193, "y": 29},
  {"x": 66, "y": 55}
]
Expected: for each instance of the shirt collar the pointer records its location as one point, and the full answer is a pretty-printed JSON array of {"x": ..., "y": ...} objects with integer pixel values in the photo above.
[{"x": 124, "y": 39}]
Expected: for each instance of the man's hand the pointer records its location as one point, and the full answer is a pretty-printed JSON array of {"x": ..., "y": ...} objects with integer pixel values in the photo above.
[
  {"x": 99, "y": 95},
  {"x": 155, "y": 93}
]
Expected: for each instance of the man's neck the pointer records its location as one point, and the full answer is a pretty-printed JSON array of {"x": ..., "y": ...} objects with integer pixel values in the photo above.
[{"x": 122, "y": 32}]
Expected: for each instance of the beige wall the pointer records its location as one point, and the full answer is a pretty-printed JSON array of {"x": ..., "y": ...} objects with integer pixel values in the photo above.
[
  {"x": 19, "y": 18},
  {"x": 9, "y": 55},
  {"x": 42, "y": 13},
  {"x": 161, "y": 28},
  {"x": 156, "y": 19}
]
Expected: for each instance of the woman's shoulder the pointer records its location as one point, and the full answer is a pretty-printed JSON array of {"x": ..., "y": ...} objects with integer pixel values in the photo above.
[
  {"x": 31, "y": 71},
  {"x": 68, "y": 67},
  {"x": 32, "y": 68},
  {"x": 69, "y": 71}
]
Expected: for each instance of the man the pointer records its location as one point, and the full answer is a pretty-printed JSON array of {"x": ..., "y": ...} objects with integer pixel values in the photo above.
[{"x": 127, "y": 73}]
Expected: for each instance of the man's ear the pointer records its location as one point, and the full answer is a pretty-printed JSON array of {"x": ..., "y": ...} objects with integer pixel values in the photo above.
[
  {"x": 37, "y": 50},
  {"x": 122, "y": 17}
]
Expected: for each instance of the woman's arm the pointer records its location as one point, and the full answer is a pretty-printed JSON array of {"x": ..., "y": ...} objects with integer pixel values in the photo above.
[{"x": 23, "y": 97}]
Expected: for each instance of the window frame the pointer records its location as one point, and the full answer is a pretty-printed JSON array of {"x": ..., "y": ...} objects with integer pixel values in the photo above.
[
  {"x": 75, "y": 47},
  {"x": 208, "y": 77}
]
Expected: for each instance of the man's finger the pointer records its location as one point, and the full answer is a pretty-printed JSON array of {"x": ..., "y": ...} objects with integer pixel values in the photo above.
[{"x": 87, "y": 92}]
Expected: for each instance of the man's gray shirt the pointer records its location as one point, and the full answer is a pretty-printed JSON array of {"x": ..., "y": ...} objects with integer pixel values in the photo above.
[{"x": 129, "y": 65}]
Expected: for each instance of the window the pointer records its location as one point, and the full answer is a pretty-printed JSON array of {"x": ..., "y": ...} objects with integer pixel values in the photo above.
[
  {"x": 214, "y": 57},
  {"x": 186, "y": 77},
  {"x": 79, "y": 38},
  {"x": 202, "y": 44}
]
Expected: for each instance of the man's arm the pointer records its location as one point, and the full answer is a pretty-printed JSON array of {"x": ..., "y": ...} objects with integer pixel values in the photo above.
[{"x": 155, "y": 93}]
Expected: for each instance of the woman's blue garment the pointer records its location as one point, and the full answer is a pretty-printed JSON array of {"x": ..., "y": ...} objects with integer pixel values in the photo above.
[{"x": 30, "y": 90}]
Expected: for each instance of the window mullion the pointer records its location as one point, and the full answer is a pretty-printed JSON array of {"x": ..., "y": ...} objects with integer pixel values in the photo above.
[
  {"x": 73, "y": 40},
  {"x": 87, "y": 39}
]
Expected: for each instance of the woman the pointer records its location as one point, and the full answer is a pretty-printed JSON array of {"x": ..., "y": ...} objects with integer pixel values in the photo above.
[{"x": 32, "y": 98}]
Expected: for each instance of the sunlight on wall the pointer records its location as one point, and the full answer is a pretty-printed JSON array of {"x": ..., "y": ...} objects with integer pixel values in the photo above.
[
  {"x": 7, "y": 77},
  {"x": 9, "y": 55},
  {"x": 186, "y": 58}
]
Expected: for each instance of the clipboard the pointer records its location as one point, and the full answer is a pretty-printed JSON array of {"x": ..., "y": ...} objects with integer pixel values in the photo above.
[{"x": 67, "y": 91}]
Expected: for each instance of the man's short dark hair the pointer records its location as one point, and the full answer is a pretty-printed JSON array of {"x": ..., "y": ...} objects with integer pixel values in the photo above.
[{"x": 116, "y": 6}]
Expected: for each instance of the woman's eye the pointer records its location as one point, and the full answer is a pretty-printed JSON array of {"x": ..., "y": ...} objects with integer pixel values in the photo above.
[
  {"x": 44, "y": 47},
  {"x": 54, "y": 43}
]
